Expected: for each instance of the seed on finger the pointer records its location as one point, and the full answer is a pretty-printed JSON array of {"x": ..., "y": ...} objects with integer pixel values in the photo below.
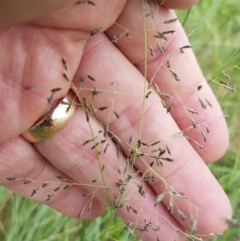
[
  {"x": 170, "y": 108},
  {"x": 154, "y": 143},
  {"x": 160, "y": 36},
  {"x": 49, "y": 196},
  {"x": 53, "y": 91},
  {"x": 166, "y": 95},
  {"x": 105, "y": 131},
  {"x": 208, "y": 102},
  {"x": 130, "y": 140},
  {"x": 184, "y": 47},
  {"x": 29, "y": 87},
  {"x": 90, "y": 140},
  {"x": 151, "y": 51},
  {"x": 34, "y": 191},
  {"x": 168, "y": 150},
  {"x": 167, "y": 159},
  {"x": 106, "y": 147},
  {"x": 64, "y": 63},
  {"x": 56, "y": 189},
  {"x": 86, "y": 2},
  {"x": 174, "y": 75},
  {"x": 170, "y": 21},
  {"x": 90, "y": 207},
  {"x": 95, "y": 145},
  {"x": 65, "y": 77},
  {"x": 134, "y": 210},
  {"x": 26, "y": 181},
  {"x": 116, "y": 38},
  {"x": 12, "y": 178},
  {"x": 200, "y": 146},
  {"x": 193, "y": 123},
  {"x": 170, "y": 207},
  {"x": 139, "y": 143},
  {"x": 204, "y": 106},
  {"x": 87, "y": 115},
  {"x": 82, "y": 80},
  {"x": 95, "y": 31},
  {"x": 96, "y": 92},
  {"x": 204, "y": 136},
  {"x": 116, "y": 114},
  {"x": 192, "y": 111},
  {"x": 182, "y": 215},
  {"x": 161, "y": 48},
  {"x": 61, "y": 178},
  {"x": 168, "y": 64},
  {"x": 192, "y": 230},
  {"x": 207, "y": 129},
  {"x": 164, "y": 104},
  {"x": 148, "y": 94},
  {"x": 66, "y": 187},
  {"x": 103, "y": 108},
  {"x": 91, "y": 78}
]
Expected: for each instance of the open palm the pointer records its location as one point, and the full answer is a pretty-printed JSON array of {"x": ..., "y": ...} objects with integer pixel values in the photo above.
[{"x": 31, "y": 57}]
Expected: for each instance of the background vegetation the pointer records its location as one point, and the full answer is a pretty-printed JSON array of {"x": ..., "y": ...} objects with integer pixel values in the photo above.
[{"x": 216, "y": 43}]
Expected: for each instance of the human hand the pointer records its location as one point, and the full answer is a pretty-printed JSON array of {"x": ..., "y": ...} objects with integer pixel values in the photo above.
[{"x": 34, "y": 52}]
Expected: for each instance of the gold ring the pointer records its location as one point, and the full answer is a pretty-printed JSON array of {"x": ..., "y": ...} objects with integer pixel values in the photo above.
[{"x": 53, "y": 121}]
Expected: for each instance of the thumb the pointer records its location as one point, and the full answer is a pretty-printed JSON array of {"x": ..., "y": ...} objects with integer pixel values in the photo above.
[{"x": 15, "y": 12}]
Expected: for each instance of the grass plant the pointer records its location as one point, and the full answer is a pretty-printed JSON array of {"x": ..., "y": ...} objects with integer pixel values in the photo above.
[{"x": 216, "y": 45}]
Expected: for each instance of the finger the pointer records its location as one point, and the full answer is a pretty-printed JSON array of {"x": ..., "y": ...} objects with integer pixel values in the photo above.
[
  {"x": 121, "y": 88},
  {"x": 176, "y": 74},
  {"x": 74, "y": 150},
  {"x": 28, "y": 79},
  {"x": 174, "y": 4},
  {"x": 14, "y": 12},
  {"x": 72, "y": 14},
  {"x": 86, "y": 17},
  {"x": 32, "y": 72},
  {"x": 24, "y": 171}
]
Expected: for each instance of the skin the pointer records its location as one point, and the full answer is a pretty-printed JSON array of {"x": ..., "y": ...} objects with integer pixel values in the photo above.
[{"x": 30, "y": 55}]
